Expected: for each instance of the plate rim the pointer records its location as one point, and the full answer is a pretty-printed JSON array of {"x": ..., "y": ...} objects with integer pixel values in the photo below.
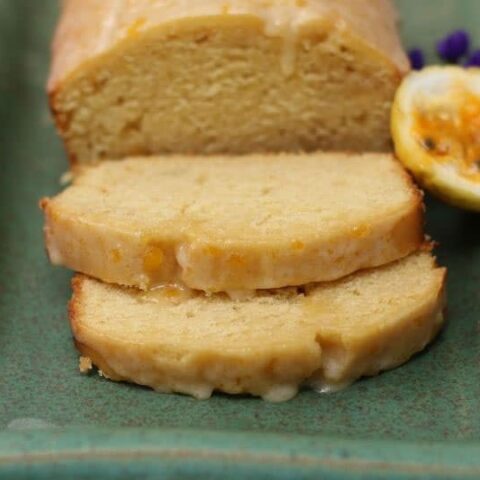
[{"x": 181, "y": 453}]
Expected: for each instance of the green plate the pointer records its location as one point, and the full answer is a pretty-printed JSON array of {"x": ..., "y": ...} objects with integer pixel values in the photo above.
[{"x": 418, "y": 421}]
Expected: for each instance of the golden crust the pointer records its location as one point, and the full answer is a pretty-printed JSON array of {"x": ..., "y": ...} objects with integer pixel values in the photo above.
[{"x": 91, "y": 27}]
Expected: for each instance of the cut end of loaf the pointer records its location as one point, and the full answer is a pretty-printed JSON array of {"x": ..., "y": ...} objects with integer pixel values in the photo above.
[{"x": 216, "y": 86}]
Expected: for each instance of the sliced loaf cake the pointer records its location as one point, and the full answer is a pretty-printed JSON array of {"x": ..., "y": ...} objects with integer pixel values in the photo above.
[
  {"x": 325, "y": 335},
  {"x": 241, "y": 223}
]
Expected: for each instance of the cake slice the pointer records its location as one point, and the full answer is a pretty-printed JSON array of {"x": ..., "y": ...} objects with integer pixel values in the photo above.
[
  {"x": 224, "y": 76},
  {"x": 242, "y": 223},
  {"x": 324, "y": 335}
]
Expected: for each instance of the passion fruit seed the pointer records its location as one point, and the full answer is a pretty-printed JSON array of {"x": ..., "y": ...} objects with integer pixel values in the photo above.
[{"x": 428, "y": 144}]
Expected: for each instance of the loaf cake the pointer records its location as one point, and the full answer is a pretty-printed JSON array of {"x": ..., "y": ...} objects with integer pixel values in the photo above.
[
  {"x": 234, "y": 223},
  {"x": 325, "y": 335},
  {"x": 134, "y": 78}
]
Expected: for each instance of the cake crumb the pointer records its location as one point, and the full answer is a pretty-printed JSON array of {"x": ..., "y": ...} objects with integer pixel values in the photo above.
[
  {"x": 85, "y": 364},
  {"x": 66, "y": 178},
  {"x": 102, "y": 374}
]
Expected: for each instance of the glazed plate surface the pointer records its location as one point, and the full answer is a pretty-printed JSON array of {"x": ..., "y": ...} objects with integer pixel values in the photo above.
[{"x": 418, "y": 421}]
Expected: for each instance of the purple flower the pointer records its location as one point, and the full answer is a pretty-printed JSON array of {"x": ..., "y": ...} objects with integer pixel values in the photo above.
[
  {"x": 454, "y": 46},
  {"x": 473, "y": 60},
  {"x": 417, "y": 59}
]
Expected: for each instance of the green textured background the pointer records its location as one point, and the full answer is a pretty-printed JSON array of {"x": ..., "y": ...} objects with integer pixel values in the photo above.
[{"x": 421, "y": 420}]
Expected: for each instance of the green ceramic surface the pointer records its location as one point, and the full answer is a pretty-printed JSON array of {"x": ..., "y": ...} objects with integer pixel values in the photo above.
[{"x": 418, "y": 421}]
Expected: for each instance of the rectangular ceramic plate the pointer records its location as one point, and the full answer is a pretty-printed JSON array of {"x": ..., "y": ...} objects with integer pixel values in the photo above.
[{"x": 421, "y": 420}]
